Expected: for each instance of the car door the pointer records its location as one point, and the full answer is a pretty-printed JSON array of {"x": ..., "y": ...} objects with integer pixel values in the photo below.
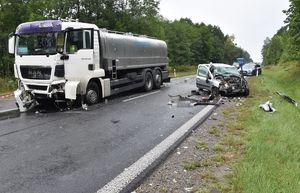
[{"x": 202, "y": 78}]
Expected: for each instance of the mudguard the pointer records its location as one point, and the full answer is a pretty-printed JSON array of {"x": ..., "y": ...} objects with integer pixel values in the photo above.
[{"x": 71, "y": 89}]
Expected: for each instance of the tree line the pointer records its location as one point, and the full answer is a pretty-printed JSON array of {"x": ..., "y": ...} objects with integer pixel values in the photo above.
[
  {"x": 284, "y": 46},
  {"x": 188, "y": 42}
]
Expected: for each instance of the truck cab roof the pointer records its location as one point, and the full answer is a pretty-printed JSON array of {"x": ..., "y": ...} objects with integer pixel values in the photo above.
[{"x": 51, "y": 26}]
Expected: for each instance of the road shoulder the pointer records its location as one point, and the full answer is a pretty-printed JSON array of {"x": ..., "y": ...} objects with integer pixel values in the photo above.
[{"x": 202, "y": 162}]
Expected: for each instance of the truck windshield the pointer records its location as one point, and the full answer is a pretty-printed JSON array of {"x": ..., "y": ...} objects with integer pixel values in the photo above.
[{"x": 37, "y": 44}]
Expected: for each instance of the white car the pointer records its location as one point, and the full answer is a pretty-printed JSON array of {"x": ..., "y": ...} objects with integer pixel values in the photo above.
[{"x": 221, "y": 79}]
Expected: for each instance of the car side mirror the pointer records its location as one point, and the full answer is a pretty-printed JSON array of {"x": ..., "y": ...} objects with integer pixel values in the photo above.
[{"x": 208, "y": 77}]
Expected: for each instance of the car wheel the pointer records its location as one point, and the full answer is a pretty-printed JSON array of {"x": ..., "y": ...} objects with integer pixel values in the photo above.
[
  {"x": 247, "y": 92},
  {"x": 92, "y": 93},
  {"x": 214, "y": 93},
  {"x": 148, "y": 81}
]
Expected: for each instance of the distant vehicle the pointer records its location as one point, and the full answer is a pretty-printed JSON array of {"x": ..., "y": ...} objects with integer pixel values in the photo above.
[
  {"x": 250, "y": 69},
  {"x": 236, "y": 64},
  {"x": 221, "y": 79},
  {"x": 241, "y": 61}
]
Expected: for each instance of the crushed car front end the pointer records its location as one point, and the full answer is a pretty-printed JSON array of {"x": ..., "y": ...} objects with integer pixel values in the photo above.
[{"x": 233, "y": 85}]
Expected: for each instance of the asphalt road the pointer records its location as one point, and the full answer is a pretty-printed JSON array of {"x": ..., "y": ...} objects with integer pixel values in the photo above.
[{"x": 81, "y": 151}]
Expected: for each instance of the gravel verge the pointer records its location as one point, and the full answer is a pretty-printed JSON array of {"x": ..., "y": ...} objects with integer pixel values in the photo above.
[{"x": 202, "y": 162}]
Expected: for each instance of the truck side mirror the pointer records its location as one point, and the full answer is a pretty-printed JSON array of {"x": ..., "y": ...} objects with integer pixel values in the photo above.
[
  {"x": 11, "y": 43},
  {"x": 60, "y": 42}
]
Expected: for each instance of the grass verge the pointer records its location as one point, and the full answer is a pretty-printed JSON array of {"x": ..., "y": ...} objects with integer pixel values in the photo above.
[
  {"x": 7, "y": 84},
  {"x": 182, "y": 70},
  {"x": 271, "y": 158}
]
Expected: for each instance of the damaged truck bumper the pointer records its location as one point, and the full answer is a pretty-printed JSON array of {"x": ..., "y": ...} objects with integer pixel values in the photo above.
[
  {"x": 24, "y": 100},
  {"x": 27, "y": 98}
]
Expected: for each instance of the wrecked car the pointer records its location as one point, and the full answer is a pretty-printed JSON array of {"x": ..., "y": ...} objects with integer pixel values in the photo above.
[{"x": 221, "y": 79}]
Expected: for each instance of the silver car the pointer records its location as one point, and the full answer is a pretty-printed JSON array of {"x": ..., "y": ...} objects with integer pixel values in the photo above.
[{"x": 221, "y": 79}]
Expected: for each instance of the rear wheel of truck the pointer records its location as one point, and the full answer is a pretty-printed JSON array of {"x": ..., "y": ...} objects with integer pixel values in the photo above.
[
  {"x": 157, "y": 79},
  {"x": 92, "y": 93},
  {"x": 148, "y": 81}
]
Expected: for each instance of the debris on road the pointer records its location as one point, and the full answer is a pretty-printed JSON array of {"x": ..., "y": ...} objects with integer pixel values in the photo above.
[
  {"x": 267, "y": 107},
  {"x": 84, "y": 107},
  {"x": 114, "y": 121},
  {"x": 191, "y": 100},
  {"x": 287, "y": 98},
  {"x": 188, "y": 189}
]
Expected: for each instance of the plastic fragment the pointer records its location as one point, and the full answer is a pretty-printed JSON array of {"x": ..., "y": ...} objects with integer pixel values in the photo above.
[
  {"x": 267, "y": 107},
  {"x": 287, "y": 98}
]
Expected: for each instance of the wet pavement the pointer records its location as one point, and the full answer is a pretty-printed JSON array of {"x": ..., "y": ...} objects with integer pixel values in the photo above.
[
  {"x": 7, "y": 103},
  {"x": 80, "y": 151}
]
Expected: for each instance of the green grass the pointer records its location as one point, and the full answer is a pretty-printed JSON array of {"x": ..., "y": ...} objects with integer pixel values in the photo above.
[
  {"x": 201, "y": 145},
  {"x": 194, "y": 164},
  {"x": 271, "y": 160},
  {"x": 182, "y": 70},
  {"x": 7, "y": 84},
  {"x": 214, "y": 131}
]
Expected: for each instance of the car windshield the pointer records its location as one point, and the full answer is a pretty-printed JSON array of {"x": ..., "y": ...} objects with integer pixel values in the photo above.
[
  {"x": 248, "y": 66},
  {"x": 226, "y": 71},
  {"x": 37, "y": 44}
]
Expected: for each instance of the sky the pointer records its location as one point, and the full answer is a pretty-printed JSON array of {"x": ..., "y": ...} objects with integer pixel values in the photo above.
[{"x": 250, "y": 21}]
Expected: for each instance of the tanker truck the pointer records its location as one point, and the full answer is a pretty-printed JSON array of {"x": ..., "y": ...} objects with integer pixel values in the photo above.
[{"x": 67, "y": 60}]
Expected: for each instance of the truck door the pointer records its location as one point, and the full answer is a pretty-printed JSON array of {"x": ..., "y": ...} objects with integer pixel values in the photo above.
[{"x": 79, "y": 59}]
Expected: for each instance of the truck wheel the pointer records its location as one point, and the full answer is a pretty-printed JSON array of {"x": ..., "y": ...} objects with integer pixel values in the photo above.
[
  {"x": 92, "y": 93},
  {"x": 157, "y": 79},
  {"x": 148, "y": 81}
]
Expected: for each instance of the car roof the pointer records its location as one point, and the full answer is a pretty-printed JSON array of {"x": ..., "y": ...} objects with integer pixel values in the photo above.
[{"x": 215, "y": 65}]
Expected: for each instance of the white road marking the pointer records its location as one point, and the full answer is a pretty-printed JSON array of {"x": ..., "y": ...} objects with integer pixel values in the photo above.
[
  {"x": 9, "y": 110},
  {"x": 130, "y": 173},
  {"x": 133, "y": 98}
]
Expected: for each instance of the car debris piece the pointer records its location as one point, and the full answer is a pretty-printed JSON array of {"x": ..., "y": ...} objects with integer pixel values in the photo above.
[
  {"x": 287, "y": 98},
  {"x": 191, "y": 100},
  {"x": 188, "y": 189},
  {"x": 267, "y": 107},
  {"x": 115, "y": 121},
  {"x": 84, "y": 107}
]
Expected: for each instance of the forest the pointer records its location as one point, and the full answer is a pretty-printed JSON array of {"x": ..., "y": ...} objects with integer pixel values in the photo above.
[
  {"x": 284, "y": 46},
  {"x": 188, "y": 43}
]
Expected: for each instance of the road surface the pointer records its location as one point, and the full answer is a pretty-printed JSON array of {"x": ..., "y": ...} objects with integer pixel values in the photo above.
[{"x": 80, "y": 151}]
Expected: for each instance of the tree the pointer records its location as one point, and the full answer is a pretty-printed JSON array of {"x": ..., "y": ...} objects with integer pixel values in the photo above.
[{"x": 188, "y": 42}]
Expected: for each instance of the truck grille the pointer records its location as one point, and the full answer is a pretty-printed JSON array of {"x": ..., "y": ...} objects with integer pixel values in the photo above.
[
  {"x": 37, "y": 87},
  {"x": 36, "y": 72}
]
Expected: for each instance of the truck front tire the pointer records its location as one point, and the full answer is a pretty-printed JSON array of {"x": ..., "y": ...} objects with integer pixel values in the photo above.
[
  {"x": 148, "y": 81},
  {"x": 92, "y": 93}
]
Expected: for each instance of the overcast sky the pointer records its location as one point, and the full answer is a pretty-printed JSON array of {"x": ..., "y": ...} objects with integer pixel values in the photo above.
[{"x": 250, "y": 21}]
